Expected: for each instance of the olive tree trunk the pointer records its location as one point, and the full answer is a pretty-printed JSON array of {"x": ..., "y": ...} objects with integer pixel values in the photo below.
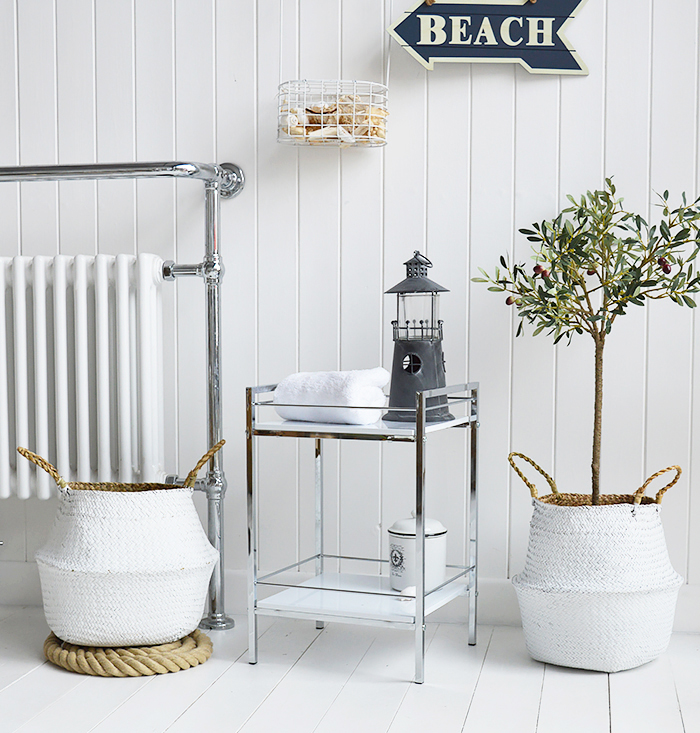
[{"x": 597, "y": 418}]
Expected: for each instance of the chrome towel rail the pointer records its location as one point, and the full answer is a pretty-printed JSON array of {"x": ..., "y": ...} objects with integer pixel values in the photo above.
[
  {"x": 225, "y": 180},
  {"x": 228, "y": 176}
]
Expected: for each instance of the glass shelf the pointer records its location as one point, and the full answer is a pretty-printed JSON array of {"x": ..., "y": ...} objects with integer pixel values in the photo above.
[
  {"x": 376, "y": 431},
  {"x": 380, "y": 430},
  {"x": 354, "y": 599}
]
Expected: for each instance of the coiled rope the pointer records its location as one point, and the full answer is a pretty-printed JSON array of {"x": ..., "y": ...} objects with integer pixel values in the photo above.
[{"x": 129, "y": 661}]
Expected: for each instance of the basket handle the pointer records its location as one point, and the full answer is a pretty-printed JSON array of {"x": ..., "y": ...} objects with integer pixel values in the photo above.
[
  {"x": 43, "y": 463},
  {"x": 192, "y": 475},
  {"x": 640, "y": 491},
  {"x": 531, "y": 486}
]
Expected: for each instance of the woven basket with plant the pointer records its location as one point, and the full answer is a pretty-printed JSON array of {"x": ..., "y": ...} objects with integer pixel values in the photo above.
[{"x": 598, "y": 590}]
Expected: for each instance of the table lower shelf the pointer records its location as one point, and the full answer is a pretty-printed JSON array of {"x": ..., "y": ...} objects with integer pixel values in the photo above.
[{"x": 346, "y": 597}]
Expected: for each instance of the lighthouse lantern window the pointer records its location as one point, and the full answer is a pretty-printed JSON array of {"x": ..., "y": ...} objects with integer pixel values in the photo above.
[{"x": 418, "y": 314}]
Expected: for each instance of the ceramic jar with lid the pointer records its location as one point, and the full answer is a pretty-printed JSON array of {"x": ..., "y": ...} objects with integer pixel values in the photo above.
[{"x": 402, "y": 553}]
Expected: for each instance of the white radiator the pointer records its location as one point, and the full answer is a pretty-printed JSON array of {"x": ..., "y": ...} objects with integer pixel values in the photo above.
[{"x": 81, "y": 364}]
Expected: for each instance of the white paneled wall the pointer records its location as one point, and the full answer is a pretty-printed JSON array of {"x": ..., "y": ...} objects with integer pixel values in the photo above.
[{"x": 474, "y": 153}]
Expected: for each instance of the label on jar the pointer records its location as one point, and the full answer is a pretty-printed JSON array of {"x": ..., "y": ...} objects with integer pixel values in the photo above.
[{"x": 397, "y": 556}]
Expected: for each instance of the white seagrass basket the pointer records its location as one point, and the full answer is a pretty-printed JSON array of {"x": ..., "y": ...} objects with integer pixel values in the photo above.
[
  {"x": 124, "y": 564},
  {"x": 598, "y": 590}
]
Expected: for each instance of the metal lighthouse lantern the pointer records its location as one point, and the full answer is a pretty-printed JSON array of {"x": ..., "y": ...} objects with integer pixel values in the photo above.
[{"x": 419, "y": 363}]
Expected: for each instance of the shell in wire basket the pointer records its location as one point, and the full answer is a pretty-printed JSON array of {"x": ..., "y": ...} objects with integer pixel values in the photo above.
[
  {"x": 124, "y": 565},
  {"x": 332, "y": 113}
]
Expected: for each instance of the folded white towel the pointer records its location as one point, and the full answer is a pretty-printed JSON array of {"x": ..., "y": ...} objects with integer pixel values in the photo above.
[{"x": 360, "y": 387}]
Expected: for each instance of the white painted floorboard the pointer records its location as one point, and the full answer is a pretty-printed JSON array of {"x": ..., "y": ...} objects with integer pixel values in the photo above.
[{"x": 346, "y": 679}]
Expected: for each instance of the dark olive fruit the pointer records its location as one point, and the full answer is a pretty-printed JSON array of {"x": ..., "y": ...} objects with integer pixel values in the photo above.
[
  {"x": 510, "y": 300},
  {"x": 537, "y": 269}
]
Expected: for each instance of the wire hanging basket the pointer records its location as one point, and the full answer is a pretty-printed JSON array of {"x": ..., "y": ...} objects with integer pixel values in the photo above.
[{"x": 338, "y": 114}]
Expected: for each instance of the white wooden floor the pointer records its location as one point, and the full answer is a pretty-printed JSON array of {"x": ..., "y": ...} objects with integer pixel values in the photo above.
[{"x": 348, "y": 678}]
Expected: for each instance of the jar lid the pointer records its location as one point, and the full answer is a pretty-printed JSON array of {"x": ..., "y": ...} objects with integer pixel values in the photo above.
[{"x": 407, "y": 527}]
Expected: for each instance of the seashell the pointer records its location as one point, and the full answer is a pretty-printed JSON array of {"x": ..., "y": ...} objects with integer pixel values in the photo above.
[
  {"x": 355, "y": 110},
  {"x": 349, "y": 99},
  {"x": 324, "y": 133},
  {"x": 292, "y": 131},
  {"x": 370, "y": 121},
  {"x": 344, "y": 135},
  {"x": 288, "y": 120},
  {"x": 329, "y": 119},
  {"x": 323, "y": 108}
]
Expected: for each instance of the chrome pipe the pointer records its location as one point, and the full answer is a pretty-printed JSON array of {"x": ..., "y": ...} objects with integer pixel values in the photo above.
[
  {"x": 421, "y": 440},
  {"x": 216, "y": 481},
  {"x": 473, "y": 512},
  {"x": 171, "y": 271},
  {"x": 318, "y": 483},
  {"x": 228, "y": 175},
  {"x": 252, "y": 523}
]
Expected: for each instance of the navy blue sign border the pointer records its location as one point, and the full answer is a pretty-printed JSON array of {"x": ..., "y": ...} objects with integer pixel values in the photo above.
[{"x": 561, "y": 59}]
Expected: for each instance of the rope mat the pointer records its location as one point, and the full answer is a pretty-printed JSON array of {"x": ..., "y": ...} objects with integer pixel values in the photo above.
[{"x": 134, "y": 661}]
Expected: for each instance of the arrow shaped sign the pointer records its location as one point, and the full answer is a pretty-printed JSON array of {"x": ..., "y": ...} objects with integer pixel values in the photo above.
[{"x": 521, "y": 32}]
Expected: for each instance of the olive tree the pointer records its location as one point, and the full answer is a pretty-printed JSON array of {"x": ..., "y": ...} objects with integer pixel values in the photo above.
[{"x": 593, "y": 262}]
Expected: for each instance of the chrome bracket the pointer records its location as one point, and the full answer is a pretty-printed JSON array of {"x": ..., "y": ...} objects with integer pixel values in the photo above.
[
  {"x": 233, "y": 180},
  {"x": 211, "y": 270},
  {"x": 199, "y": 485},
  {"x": 216, "y": 484},
  {"x": 172, "y": 271}
]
